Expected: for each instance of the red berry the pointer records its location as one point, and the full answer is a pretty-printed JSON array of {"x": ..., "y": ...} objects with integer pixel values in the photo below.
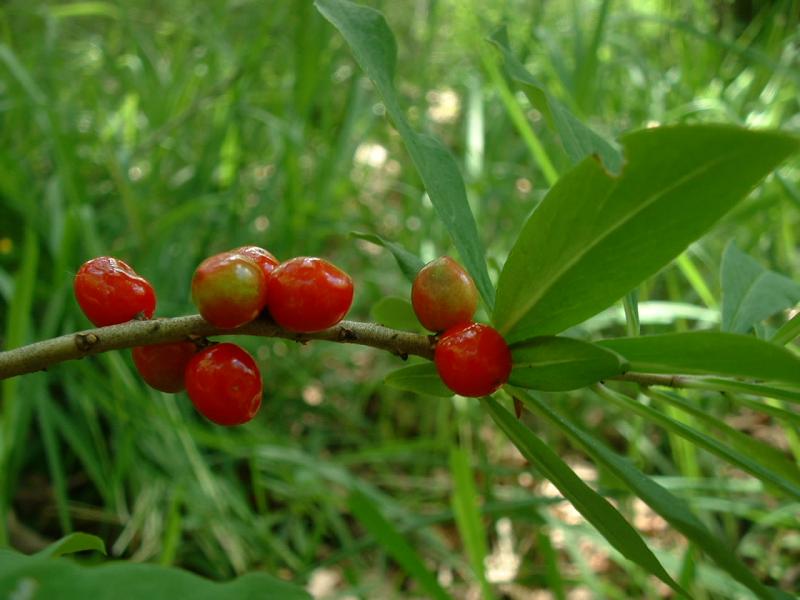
[
  {"x": 472, "y": 359},
  {"x": 224, "y": 384},
  {"x": 162, "y": 366},
  {"x": 263, "y": 258},
  {"x": 229, "y": 290},
  {"x": 443, "y": 295},
  {"x": 109, "y": 292},
  {"x": 308, "y": 294}
]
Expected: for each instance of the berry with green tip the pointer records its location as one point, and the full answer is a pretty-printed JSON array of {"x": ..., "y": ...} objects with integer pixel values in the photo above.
[
  {"x": 263, "y": 258},
  {"x": 443, "y": 295},
  {"x": 229, "y": 290}
]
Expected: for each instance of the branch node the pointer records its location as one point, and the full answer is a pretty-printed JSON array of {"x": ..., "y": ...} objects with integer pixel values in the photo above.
[
  {"x": 432, "y": 339},
  {"x": 347, "y": 335},
  {"x": 85, "y": 341}
]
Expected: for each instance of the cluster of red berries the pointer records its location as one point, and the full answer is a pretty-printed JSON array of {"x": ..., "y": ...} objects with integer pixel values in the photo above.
[
  {"x": 230, "y": 289},
  {"x": 471, "y": 358},
  {"x": 302, "y": 295}
]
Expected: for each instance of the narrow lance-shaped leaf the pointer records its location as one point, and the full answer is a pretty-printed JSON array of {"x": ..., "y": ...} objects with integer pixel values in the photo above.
[
  {"x": 373, "y": 45},
  {"x": 409, "y": 263},
  {"x": 751, "y": 293},
  {"x": 561, "y": 364},
  {"x": 421, "y": 378},
  {"x": 74, "y": 542},
  {"x": 702, "y": 352},
  {"x": 744, "y": 443},
  {"x": 672, "y": 508},
  {"x": 579, "y": 140},
  {"x": 595, "y": 237},
  {"x": 396, "y": 313},
  {"x": 595, "y": 509},
  {"x": 702, "y": 440}
]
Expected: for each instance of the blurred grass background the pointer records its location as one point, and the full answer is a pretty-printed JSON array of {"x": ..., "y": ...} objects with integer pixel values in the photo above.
[{"x": 163, "y": 132}]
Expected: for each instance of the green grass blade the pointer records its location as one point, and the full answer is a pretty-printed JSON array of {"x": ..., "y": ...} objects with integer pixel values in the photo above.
[
  {"x": 595, "y": 509},
  {"x": 579, "y": 140},
  {"x": 54, "y": 462},
  {"x": 464, "y": 501},
  {"x": 630, "y": 304},
  {"x": 673, "y": 509},
  {"x": 395, "y": 544},
  {"x": 12, "y": 414}
]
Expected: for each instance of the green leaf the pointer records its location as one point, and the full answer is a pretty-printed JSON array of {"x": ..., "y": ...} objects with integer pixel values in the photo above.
[
  {"x": 422, "y": 379},
  {"x": 561, "y": 364},
  {"x": 672, "y": 508},
  {"x": 74, "y": 542},
  {"x": 395, "y": 544},
  {"x": 466, "y": 509},
  {"x": 84, "y": 9},
  {"x": 744, "y": 443},
  {"x": 38, "y": 577},
  {"x": 595, "y": 509},
  {"x": 594, "y": 237},
  {"x": 396, "y": 313},
  {"x": 701, "y": 440},
  {"x": 373, "y": 45},
  {"x": 578, "y": 139},
  {"x": 788, "y": 331},
  {"x": 751, "y": 293},
  {"x": 708, "y": 352},
  {"x": 409, "y": 263}
]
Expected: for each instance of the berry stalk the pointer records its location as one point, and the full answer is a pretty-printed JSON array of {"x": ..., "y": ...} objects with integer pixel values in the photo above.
[{"x": 40, "y": 355}]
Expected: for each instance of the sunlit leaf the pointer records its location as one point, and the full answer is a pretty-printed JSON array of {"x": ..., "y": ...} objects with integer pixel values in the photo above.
[
  {"x": 751, "y": 293},
  {"x": 595, "y": 237},
  {"x": 375, "y": 50}
]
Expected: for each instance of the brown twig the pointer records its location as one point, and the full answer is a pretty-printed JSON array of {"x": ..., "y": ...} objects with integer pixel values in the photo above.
[
  {"x": 675, "y": 381},
  {"x": 40, "y": 355}
]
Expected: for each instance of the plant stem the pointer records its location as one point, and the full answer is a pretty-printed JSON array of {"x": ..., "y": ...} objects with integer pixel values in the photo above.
[
  {"x": 710, "y": 384},
  {"x": 40, "y": 355}
]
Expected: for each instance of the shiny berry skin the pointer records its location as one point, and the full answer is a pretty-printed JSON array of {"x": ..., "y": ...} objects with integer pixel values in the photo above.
[
  {"x": 263, "y": 258},
  {"x": 308, "y": 294},
  {"x": 443, "y": 295},
  {"x": 472, "y": 359},
  {"x": 109, "y": 292},
  {"x": 162, "y": 366},
  {"x": 224, "y": 384},
  {"x": 229, "y": 290}
]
